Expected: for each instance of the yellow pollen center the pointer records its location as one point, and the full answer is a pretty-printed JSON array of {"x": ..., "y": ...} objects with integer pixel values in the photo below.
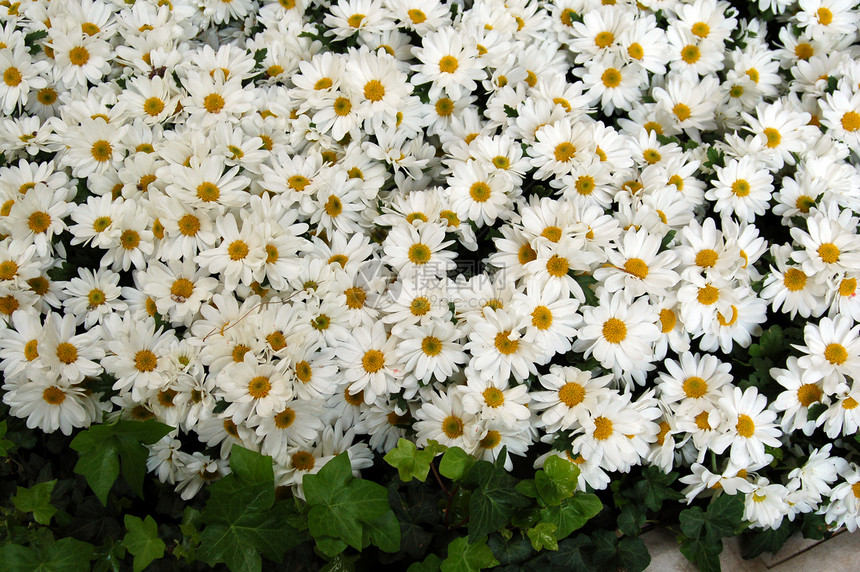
[
  {"x": 145, "y": 361},
  {"x": 355, "y": 297},
  {"x": 53, "y": 395},
  {"x": 95, "y": 298},
  {"x": 342, "y": 106},
  {"x": 444, "y": 107},
  {"x": 373, "y": 361},
  {"x": 285, "y": 418},
  {"x": 431, "y": 346},
  {"x": 702, "y": 421},
  {"x": 741, "y": 188},
  {"x": 773, "y": 137},
  {"x": 419, "y": 253},
  {"x": 504, "y": 344},
  {"x": 417, "y": 16},
  {"x": 419, "y": 306},
  {"x": 724, "y": 322},
  {"x": 12, "y": 77},
  {"x": 353, "y": 399},
  {"x": 701, "y": 30},
  {"x": 333, "y": 206},
  {"x": 31, "y": 350},
  {"x": 706, "y": 258},
  {"x": 690, "y": 54},
  {"x": 614, "y": 331},
  {"x": 188, "y": 225},
  {"x": 855, "y": 489},
  {"x": 276, "y": 340},
  {"x": 851, "y": 121},
  {"x": 153, "y": 106},
  {"x": 695, "y": 387},
  {"x": 604, "y": 39},
  {"x": 557, "y": 266},
  {"x": 835, "y": 354},
  {"x": 829, "y": 253},
  {"x": 849, "y": 403},
  {"x": 602, "y": 428},
  {"x": 448, "y": 64},
  {"x": 584, "y": 185},
  {"x": 101, "y": 151},
  {"x": 794, "y": 279},
  {"x": 374, "y": 90},
  {"x": 804, "y": 51},
  {"x": 304, "y": 371},
  {"x": 667, "y": 320},
  {"x": 237, "y": 250},
  {"x": 452, "y": 426},
  {"x": 824, "y": 16},
  {"x": 526, "y": 254},
  {"x": 636, "y": 267},
  {"x": 492, "y": 440},
  {"x": 493, "y": 397},
  {"x": 182, "y": 289},
  {"x": 303, "y": 461},
  {"x": 564, "y": 152},
  {"x": 213, "y": 103},
  {"x": 8, "y": 269},
  {"x": 848, "y": 287},
  {"x": 681, "y": 111},
  {"x": 129, "y": 239},
  {"x": 745, "y": 426},
  {"x": 79, "y": 56},
  {"x": 651, "y": 156},
  {"x": 355, "y": 20},
  {"x": 551, "y": 233},
  {"x": 611, "y": 77},
  {"x": 208, "y": 192},
  {"x": 67, "y": 353},
  {"x": 480, "y": 192},
  {"x": 259, "y": 387},
  {"x": 239, "y": 352},
  {"x": 542, "y": 318},
  {"x": 571, "y": 394},
  {"x": 635, "y": 51},
  {"x": 808, "y": 393},
  {"x": 708, "y": 295}
]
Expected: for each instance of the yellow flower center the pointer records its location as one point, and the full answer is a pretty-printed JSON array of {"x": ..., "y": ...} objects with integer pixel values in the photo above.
[
  {"x": 420, "y": 305},
  {"x": 153, "y": 106},
  {"x": 794, "y": 279},
  {"x": 452, "y": 426},
  {"x": 542, "y": 318},
  {"x": 702, "y": 421},
  {"x": 493, "y": 397},
  {"x": 431, "y": 346},
  {"x": 276, "y": 340},
  {"x": 571, "y": 394},
  {"x": 448, "y": 64},
  {"x": 31, "y": 350},
  {"x": 848, "y": 287},
  {"x": 259, "y": 387},
  {"x": 237, "y": 250},
  {"x": 285, "y": 418},
  {"x": 741, "y": 188},
  {"x": 611, "y": 77},
  {"x": 635, "y": 51},
  {"x": 681, "y": 111},
  {"x": 333, "y": 206},
  {"x": 374, "y": 90},
  {"x": 79, "y": 56},
  {"x": 695, "y": 387},
  {"x": 47, "y": 96},
  {"x": 851, "y": 121},
  {"x": 95, "y": 298},
  {"x": 745, "y": 426},
  {"x": 636, "y": 267},
  {"x": 492, "y": 440},
  {"x": 101, "y": 151},
  {"x": 505, "y": 345},
  {"x": 239, "y": 352},
  {"x": 145, "y": 361},
  {"x": 651, "y": 156},
  {"x": 8, "y": 269},
  {"x": 67, "y": 353},
  {"x": 604, "y": 39},
  {"x": 804, "y": 51},
  {"x": 304, "y": 371},
  {"x": 373, "y": 361},
  {"x": 355, "y": 20},
  {"x": 480, "y": 192},
  {"x": 602, "y": 428},
  {"x": 667, "y": 320},
  {"x": 701, "y": 30},
  {"x": 12, "y": 76},
  {"x": 213, "y": 103},
  {"x": 557, "y": 266},
  {"x": 614, "y": 331},
  {"x": 53, "y": 395},
  {"x": 551, "y": 233},
  {"x": 708, "y": 295},
  {"x": 208, "y": 192},
  {"x": 722, "y": 320},
  {"x": 419, "y": 253},
  {"x": 444, "y": 107},
  {"x": 829, "y": 253},
  {"x": 303, "y": 461},
  {"x": 129, "y": 239},
  {"x": 526, "y": 254},
  {"x": 417, "y": 16},
  {"x": 773, "y": 136},
  {"x": 355, "y": 297},
  {"x": 706, "y": 258},
  {"x": 690, "y": 54},
  {"x": 584, "y": 185},
  {"x": 342, "y": 106},
  {"x": 808, "y": 393},
  {"x": 824, "y": 16},
  {"x": 835, "y": 354},
  {"x": 849, "y": 403},
  {"x": 564, "y": 152},
  {"x": 182, "y": 289}
]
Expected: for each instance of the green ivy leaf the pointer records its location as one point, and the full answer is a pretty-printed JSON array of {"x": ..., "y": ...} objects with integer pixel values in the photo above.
[
  {"x": 512, "y": 551},
  {"x": 573, "y": 513},
  {"x": 104, "y": 449},
  {"x": 814, "y": 526},
  {"x": 242, "y": 519},
  {"x": 384, "y": 532},
  {"x": 329, "y": 546},
  {"x": 455, "y": 463},
  {"x": 36, "y": 499},
  {"x": 494, "y": 499},
  {"x": 464, "y": 556},
  {"x": 543, "y": 536},
  {"x": 723, "y": 515},
  {"x": 572, "y": 555},
  {"x": 628, "y": 553},
  {"x": 64, "y": 555},
  {"x": 557, "y": 481},
  {"x": 653, "y": 488},
  {"x": 142, "y": 541},
  {"x": 755, "y": 543},
  {"x": 340, "y": 504},
  {"x": 430, "y": 564},
  {"x": 410, "y": 461},
  {"x": 631, "y": 519},
  {"x": 5, "y": 444},
  {"x": 703, "y": 552}
]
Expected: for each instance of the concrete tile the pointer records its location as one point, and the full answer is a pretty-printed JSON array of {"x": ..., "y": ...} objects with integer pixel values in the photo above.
[
  {"x": 666, "y": 555},
  {"x": 839, "y": 554},
  {"x": 792, "y": 547}
]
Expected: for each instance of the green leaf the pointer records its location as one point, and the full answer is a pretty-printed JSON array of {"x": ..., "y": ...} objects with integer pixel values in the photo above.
[
  {"x": 572, "y": 555},
  {"x": 585, "y": 282},
  {"x": 723, "y": 515},
  {"x": 329, "y": 546},
  {"x": 814, "y": 526},
  {"x": 543, "y": 536},
  {"x": 36, "y": 499},
  {"x": 31, "y": 40},
  {"x": 493, "y": 500},
  {"x": 340, "y": 504},
  {"x": 573, "y": 513},
  {"x": 512, "y": 551},
  {"x": 430, "y": 564},
  {"x": 64, "y": 555},
  {"x": 557, "y": 481},
  {"x": 104, "y": 449},
  {"x": 628, "y": 553},
  {"x": 631, "y": 519},
  {"x": 772, "y": 341},
  {"x": 769, "y": 540},
  {"x": 410, "y": 461},
  {"x": 5, "y": 444},
  {"x": 527, "y": 488},
  {"x": 341, "y": 563},
  {"x": 464, "y": 556},
  {"x": 653, "y": 488},
  {"x": 455, "y": 463},
  {"x": 385, "y": 532},
  {"x": 703, "y": 552},
  {"x": 142, "y": 541},
  {"x": 242, "y": 519}
]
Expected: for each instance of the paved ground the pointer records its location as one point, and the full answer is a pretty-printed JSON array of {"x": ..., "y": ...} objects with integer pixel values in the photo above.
[{"x": 840, "y": 553}]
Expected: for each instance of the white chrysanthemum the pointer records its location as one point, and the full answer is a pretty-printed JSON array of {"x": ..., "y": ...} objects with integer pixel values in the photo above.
[
  {"x": 748, "y": 426},
  {"x": 570, "y": 394}
]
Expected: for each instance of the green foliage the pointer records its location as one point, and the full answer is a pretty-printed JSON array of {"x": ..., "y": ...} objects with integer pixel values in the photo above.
[
  {"x": 543, "y": 536},
  {"x": 586, "y": 281},
  {"x": 351, "y": 510},
  {"x": 142, "y": 541},
  {"x": 411, "y": 462},
  {"x": 768, "y": 540},
  {"x": 654, "y": 488},
  {"x": 493, "y": 499},
  {"x": 701, "y": 541},
  {"x": 465, "y": 556},
  {"x": 455, "y": 463},
  {"x": 105, "y": 449},
  {"x": 64, "y": 555},
  {"x": 5, "y": 444},
  {"x": 242, "y": 519},
  {"x": 36, "y": 499}
]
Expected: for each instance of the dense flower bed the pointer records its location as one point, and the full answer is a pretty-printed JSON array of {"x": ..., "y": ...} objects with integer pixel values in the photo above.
[{"x": 619, "y": 234}]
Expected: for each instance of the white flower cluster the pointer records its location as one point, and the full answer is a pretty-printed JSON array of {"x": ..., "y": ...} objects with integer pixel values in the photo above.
[{"x": 309, "y": 227}]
